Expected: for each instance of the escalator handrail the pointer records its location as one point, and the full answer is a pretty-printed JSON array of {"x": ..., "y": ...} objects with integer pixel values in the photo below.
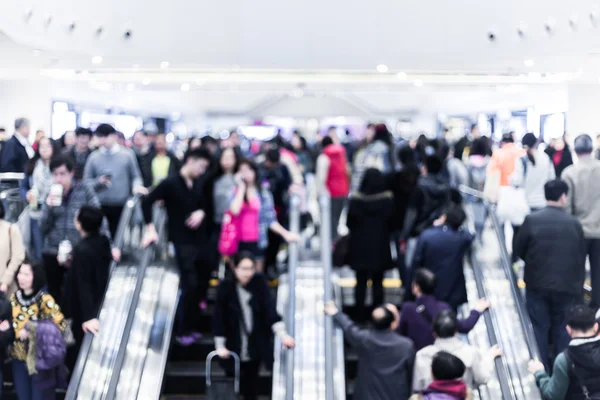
[
  {"x": 124, "y": 223},
  {"x": 293, "y": 257},
  {"x": 326, "y": 228},
  {"x": 524, "y": 319},
  {"x": 147, "y": 259}
]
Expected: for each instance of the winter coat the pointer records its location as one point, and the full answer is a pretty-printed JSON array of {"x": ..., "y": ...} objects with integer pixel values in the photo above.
[
  {"x": 503, "y": 162},
  {"x": 370, "y": 222},
  {"x": 428, "y": 203},
  {"x": 442, "y": 250},
  {"x": 480, "y": 365},
  {"x": 565, "y": 160},
  {"x": 552, "y": 244},
  {"x": 584, "y": 353},
  {"x": 385, "y": 361},
  {"x": 228, "y": 317},
  {"x": 378, "y": 155},
  {"x": 418, "y": 316},
  {"x": 13, "y": 157},
  {"x": 337, "y": 182},
  {"x": 445, "y": 390},
  {"x": 87, "y": 279},
  {"x": 532, "y": 178},
  {"x": 46, "y": 355},
  {"x": 402, "y": 184},
  {"x": 584, "y": 192},
  {"x": 145, "y": 162}
]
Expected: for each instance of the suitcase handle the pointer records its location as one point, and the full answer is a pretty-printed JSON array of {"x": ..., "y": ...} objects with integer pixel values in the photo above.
[{"x": 236, "y": 377}]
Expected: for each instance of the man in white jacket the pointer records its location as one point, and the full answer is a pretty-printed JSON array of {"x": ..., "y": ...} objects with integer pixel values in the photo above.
[{"x": 479, "y": 364}]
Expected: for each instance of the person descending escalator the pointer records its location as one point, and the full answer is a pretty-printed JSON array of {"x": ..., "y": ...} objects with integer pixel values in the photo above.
[
  {"x": 417, "y": 317},
  {"x": 370, "y": 222},
  {"x": 244, "y": 321},
  {"x": 447, "y": 371},
  {"x": 479, "y": 363},
  {"x": 552, "y": 244},
  {"x": 576, "y": 372},
  {"x": 442, "y": 249},
  {"x": 385, "y": 359}
]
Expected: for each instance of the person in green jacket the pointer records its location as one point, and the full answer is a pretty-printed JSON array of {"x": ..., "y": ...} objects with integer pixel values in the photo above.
[{"x": 577, "y": 367}]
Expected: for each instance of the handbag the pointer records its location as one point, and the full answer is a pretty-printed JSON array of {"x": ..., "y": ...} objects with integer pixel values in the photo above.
[
  {"x": 340, "y": 251},
  {"x": 229, "y": 238},
  {"x": 512, "y": 205},
  {"x": 224, "y": 388}
]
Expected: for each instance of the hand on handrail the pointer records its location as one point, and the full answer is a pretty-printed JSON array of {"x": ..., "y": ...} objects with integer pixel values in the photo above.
[
  {"x": 150, "y": 237},
  {"x": 481, "y": 305},
  {"x": 288, "y": 342},
  {"x": 116, "y": 254}
]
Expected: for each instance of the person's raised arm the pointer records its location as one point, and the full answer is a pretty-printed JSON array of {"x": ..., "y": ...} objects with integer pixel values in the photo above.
[
  {"x": 159, "y": 193},
  {"x": 355, "y": 336},
  {"x": 238, "y": 199}
]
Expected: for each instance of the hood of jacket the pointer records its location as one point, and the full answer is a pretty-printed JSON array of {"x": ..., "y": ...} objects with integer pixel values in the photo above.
[
  {"x": 585, "y": 354},
  {"x": 446, "y": 390},
  {"x": 370, "y": 204}
]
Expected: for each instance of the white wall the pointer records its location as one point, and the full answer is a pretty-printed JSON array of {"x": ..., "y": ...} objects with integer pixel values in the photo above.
[
  {"x": 583, "y": 115},
  {"x": 29, "y": 99}
]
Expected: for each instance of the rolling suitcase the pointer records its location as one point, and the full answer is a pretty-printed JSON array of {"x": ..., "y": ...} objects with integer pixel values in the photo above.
[{"x": 224, "y": 388}]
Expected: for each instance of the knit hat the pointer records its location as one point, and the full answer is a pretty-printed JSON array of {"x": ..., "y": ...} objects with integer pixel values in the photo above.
[{"x": 529, "y": 140}]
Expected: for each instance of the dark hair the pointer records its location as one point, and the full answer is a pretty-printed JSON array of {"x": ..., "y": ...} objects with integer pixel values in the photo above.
[
  {"x": 198, "y": 153},
  {"x": 529, "y": 141},
  {"x": 273, "y": 156},
  {"x": 59, "y": 161},
  {"x": 383, "y": 323},
  {"x": 218, "y": 170},
  {"x": 455, "y": 216},
  {"x": 104, "y": 130},
  {"x": 303, "y": 142},
  {"x": 425, "y": 280},
  {"x": 332, "y": 128},
  {"x": 445, "y": 324},
  {"x": 373, "y": 182},
  {"x": 206, "y": 140},
  {"x": 253, "y": 167},
  {"x": 581, "y": 318},
  {"x": 508, "y": 137},
  {"x": 327, "y": 140},
  {"x": 406, "y": 155},
  {"x": 433, "y": 164},
  {"x": 2, "y": 212},
  {"x": 370, "y": 125},
  {"x": 20, "y": 122},
  {"x": 473, "y": 126},
  {"x": 584, "y": 144},
  {"x": 443, "y": 148},
  {"x": 39, "y": 277},
  {"x": 2, "y": 129},
  {"x": 479, "y": 147},
  {"x": 243, "y": 255},
  {"x": 447, "y": 367},
  {"x": 382, "y": 134},
  {"x": 30, "y": 167},
  {"x": 143, "y": 132},
  {"x": 84, "y": 132},
  {"x": 554, "y": 189},
  {"x": 90, "y": 219}
]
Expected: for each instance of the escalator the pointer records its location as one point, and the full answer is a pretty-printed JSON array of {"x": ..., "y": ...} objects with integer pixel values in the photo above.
[{"x": 507, "y": 322}]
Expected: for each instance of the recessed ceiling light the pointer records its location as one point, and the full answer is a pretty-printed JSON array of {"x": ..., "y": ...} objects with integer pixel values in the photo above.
[
  {"x": 382, "y": 68},
  {"x": 402, "y": 76},
  {"x": 185, "y": 87},
  {"x": 146, "y": 81},
  {"x": 418, "y": 83},
  {"x": 37, "y": 52},
  {"x": 164, "y": 65},
  {"x": 130, "y": 87},
  {"x": 97, "y": 60},
  {"x": 529, "y": 63}
]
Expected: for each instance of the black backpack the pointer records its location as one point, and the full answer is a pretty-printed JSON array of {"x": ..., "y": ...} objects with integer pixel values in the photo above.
[
  {"x": 433, "y": 208},
  {"x": 587, "y": 395}
]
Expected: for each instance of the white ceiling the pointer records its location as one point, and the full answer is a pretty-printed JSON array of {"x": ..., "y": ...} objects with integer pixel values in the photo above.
[{"x": 412, "y": 36}]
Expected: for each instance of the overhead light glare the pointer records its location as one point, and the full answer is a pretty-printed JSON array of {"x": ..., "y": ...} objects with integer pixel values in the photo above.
[
  {"x": 185, "y": 87},
  {"x": 382, "y": 68},
  {"x": 146, "y": 81},
  {"x": 529, "y": 63},
  {"x": 418, "y": 83},
  {"x": 97, "y": 60},
  {"x": 164, "y": 65},
  {"x": 402, "y": 76}
]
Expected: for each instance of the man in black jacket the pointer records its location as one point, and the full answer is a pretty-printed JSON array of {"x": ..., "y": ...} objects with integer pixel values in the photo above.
[
  {"x": 87, "y": 277},
  {"x": 385, "y": 359},
  {"x": 552, "y": 244}
]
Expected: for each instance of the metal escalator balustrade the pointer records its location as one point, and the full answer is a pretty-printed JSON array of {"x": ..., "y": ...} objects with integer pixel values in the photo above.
[
  {"x": 500, "y": 285},
  {"x": 96, "y": 359}
]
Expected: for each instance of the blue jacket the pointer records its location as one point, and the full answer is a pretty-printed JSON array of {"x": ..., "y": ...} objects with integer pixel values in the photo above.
[
  {"x": 13, "y": 157},
  {"x": 442, "y": 250}
]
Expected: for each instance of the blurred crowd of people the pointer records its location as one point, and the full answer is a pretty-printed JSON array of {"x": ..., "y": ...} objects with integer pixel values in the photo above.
[{"x": 229, "y": 203}]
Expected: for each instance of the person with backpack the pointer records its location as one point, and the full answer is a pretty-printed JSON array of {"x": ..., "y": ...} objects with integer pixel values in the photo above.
[
  {"x": 442, "y": 249},
  {"x": 477, "y": 169},
  {"x": 576, "y": 372},
  {"x": 532, "y": 171},
  {"x": 418, "y": 316}
]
